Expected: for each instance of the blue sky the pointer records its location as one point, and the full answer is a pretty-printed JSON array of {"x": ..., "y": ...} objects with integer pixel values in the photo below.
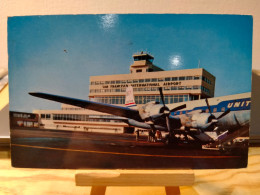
[{"x": 58, "y": 54}]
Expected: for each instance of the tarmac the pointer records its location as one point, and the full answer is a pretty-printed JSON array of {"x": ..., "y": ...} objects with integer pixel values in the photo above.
[{"x": 44, "y": 148}]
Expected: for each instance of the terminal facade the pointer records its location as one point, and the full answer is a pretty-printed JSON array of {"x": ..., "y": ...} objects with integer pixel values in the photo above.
[{"x": 145, "y": 78}]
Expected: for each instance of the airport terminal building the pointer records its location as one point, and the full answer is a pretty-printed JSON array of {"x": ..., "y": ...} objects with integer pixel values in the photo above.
[{"x": 145, "y": 78}]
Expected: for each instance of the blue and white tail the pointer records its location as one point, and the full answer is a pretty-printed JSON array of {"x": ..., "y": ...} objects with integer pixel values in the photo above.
[{"x": 129, "y": 98}]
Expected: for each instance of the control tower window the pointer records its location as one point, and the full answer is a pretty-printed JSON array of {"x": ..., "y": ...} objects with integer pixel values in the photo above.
[
  {"x": 143, "y": 57},
  {"x": 139, "y": 70}
]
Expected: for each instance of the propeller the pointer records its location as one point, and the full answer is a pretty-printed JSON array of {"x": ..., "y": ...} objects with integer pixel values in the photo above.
[
  {"x": 162, "y": 97},
  {"x": 166, "y": 111},
  {"x": 212, "y": 119},
  {"x": 224, "y": 114}
]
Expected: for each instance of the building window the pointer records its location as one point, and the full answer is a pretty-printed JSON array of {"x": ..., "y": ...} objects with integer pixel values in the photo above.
[
  {"x": 139, "y": 70},
  {"x": 195, "y": 87},
  {"x": 197, "y": 77},
  {"x": 189, "y": 78},
  {"x": 167, "y": 79},
  {"x": 154, "y": 79},
  {"x": 141, "y": 80},
  {"x": 160, "y": 79},
  {"x": 42, "y": 115},
  {"x": 135, "y": 81},
  {"x": 147, "y": 80},
  {"x": 174, "y": 78},
  {"x": 48, "y": 116},
  {"x": 181, "y": 78}
]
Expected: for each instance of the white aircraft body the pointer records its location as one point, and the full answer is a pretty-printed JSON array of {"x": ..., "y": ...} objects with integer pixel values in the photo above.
[{"x": 226, "y": 117}]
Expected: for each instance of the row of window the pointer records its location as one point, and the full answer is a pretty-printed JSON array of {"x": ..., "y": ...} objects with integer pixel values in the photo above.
[
  {"x": 73, "y": 108},
  {"x": 80, "y": 117},
  {"x": 214, "y": 110},
  {"x": 143, "y": 99},
  {"x": 206, "y": 80},
  {"x": 205, "y": 89},
  {"x": 182, "y": 78},
  {"x": 173, "y": 88}
]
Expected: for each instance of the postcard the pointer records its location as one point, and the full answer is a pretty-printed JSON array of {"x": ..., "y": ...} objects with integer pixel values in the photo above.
[{"x": 130, "y": 91}]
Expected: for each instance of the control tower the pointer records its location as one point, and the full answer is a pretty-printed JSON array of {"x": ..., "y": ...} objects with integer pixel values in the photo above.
[{"x": 143, "y": 62}]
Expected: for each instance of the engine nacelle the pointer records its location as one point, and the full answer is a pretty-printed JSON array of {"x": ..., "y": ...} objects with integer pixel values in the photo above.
[
  {"x": 201, "y": 121},
  {"x": 151, "y": 109}
]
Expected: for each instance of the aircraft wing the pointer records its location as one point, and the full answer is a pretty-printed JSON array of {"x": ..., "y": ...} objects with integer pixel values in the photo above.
[{"x": 100, "y": 107}]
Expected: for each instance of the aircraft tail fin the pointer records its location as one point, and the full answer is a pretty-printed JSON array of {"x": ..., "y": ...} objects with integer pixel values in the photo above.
[{"x": 129, "y": 98}]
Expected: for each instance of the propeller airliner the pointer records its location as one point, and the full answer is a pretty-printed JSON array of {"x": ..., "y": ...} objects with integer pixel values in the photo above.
[{"x": 228, "y": 116}]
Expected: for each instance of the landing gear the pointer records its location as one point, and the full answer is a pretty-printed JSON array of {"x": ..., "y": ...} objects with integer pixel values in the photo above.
[
  {"x": 170, "y": 139},
  {"x": 151, "y": 136}
]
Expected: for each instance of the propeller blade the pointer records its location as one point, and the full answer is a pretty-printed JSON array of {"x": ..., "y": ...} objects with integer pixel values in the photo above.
[
  {"x": 162, "y": 97},
  {"x": 178, "y": 108},
  {"x": 224, "y": 114},
  {"x": 157, "y": 116},
  {"x": 168, "y": 124},
  {"x": 208, "y": 127},
  {"x": 207, "y": 102}
]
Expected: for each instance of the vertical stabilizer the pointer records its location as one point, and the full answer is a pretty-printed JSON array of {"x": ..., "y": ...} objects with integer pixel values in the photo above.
[{"x": 129, "y": 98}]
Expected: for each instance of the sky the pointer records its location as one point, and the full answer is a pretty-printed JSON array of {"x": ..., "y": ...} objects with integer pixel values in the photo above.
[{"x": 58, "y": 54}]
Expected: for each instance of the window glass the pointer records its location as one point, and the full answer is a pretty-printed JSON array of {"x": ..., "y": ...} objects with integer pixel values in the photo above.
[{"x": 160, "y": 79}]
